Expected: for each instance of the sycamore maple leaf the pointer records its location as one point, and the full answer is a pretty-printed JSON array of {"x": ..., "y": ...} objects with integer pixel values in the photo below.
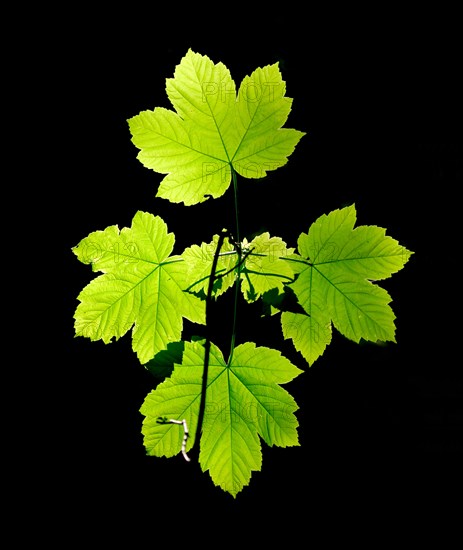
[
  {"x": 199, "y": 260},
  {"x": 142, "y": 286},
  {"x": 244, "y": 400},
  {"x": 266, "y": 267},
  {"x": 213, "y": 130},
  {"x": 263, "y": 266},
  {"x": 337, "y": 267}
]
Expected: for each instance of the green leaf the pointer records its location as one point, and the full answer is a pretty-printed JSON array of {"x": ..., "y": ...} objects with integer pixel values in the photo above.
[
  {"x": 337, "y": 286},
  {"x": 266, "y": 267},
  {"x": 142, "y": 287},
  {"x": 199, "y": 260},
  {"x": 243, "y": 401},
  {"x": 214, "y": 130}
]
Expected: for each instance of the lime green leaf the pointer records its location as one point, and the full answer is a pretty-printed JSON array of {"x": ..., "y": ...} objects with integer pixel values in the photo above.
[
  {"x": 366, "y": 252},
  {"x": 199, "y": 260},
  {"x": 142, "y": 286},
  {"x": 337, "y": 286},
  {"x": 266, "y": 266},
  {"x": 244, "y": 401},
  {"x": 310, "y": 334},
  {"x": 213, "y": 130}
]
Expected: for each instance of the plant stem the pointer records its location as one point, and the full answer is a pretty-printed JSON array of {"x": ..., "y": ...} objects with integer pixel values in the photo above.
[
  {"x": 238, "y": 251},
  {"x": 212, "y": 278},
  {"x": 237, "y": 221},
  {"x": 207, "y": 345}
]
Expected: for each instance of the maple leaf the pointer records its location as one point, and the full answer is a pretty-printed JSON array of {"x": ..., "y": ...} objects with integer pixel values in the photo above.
[
  {"x": 244, "y": 401},
  {"x": 336, "y": 286},
  {"x": 262, "y": 268},
  {"x": 266, "y": 267},
  {"x": 142, "y": 287},
  {"x": 213, "y": 130},
  {"x": 199, "y": 260}
]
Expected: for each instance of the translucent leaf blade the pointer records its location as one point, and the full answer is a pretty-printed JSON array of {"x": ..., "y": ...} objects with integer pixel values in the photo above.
[
  {"x": 360, "y": 309},
  {"x": 311, "y": 334},
  {"x": 175, "y": 398},
  {"x": 322, "y": 242},
  {"x": 266, "y": 266},
  {"x": 230, "y": 446},
  {"x": 199, "y": 260},
  {"x": 195, "y": 166},
  {"x": 366, "y": 251},
  {"x": 258, "y": 371},
  {"x": 142, "y": 286},
  {"x": 203, "y": 93},
  {"x": 164, "y": 305},
  {"x": 262, "y": 110},
  {"x": 108, "y": 308},
  {"x": 371, "y": 254},
  {"x": 336, "y": 285},
  {"x": 212, "y": 131},
  {"x": 243, "y": 401}
]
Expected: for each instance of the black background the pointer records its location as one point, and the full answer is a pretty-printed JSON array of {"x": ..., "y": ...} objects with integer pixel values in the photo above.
[{"x": 380, "y": 426}]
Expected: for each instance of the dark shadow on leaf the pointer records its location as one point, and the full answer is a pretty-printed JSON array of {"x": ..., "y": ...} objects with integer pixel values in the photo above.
[
  {"x": 201, "y": 294},
  {"x": 274, "y": 301},
  {"x": 162, "y": 364}
]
